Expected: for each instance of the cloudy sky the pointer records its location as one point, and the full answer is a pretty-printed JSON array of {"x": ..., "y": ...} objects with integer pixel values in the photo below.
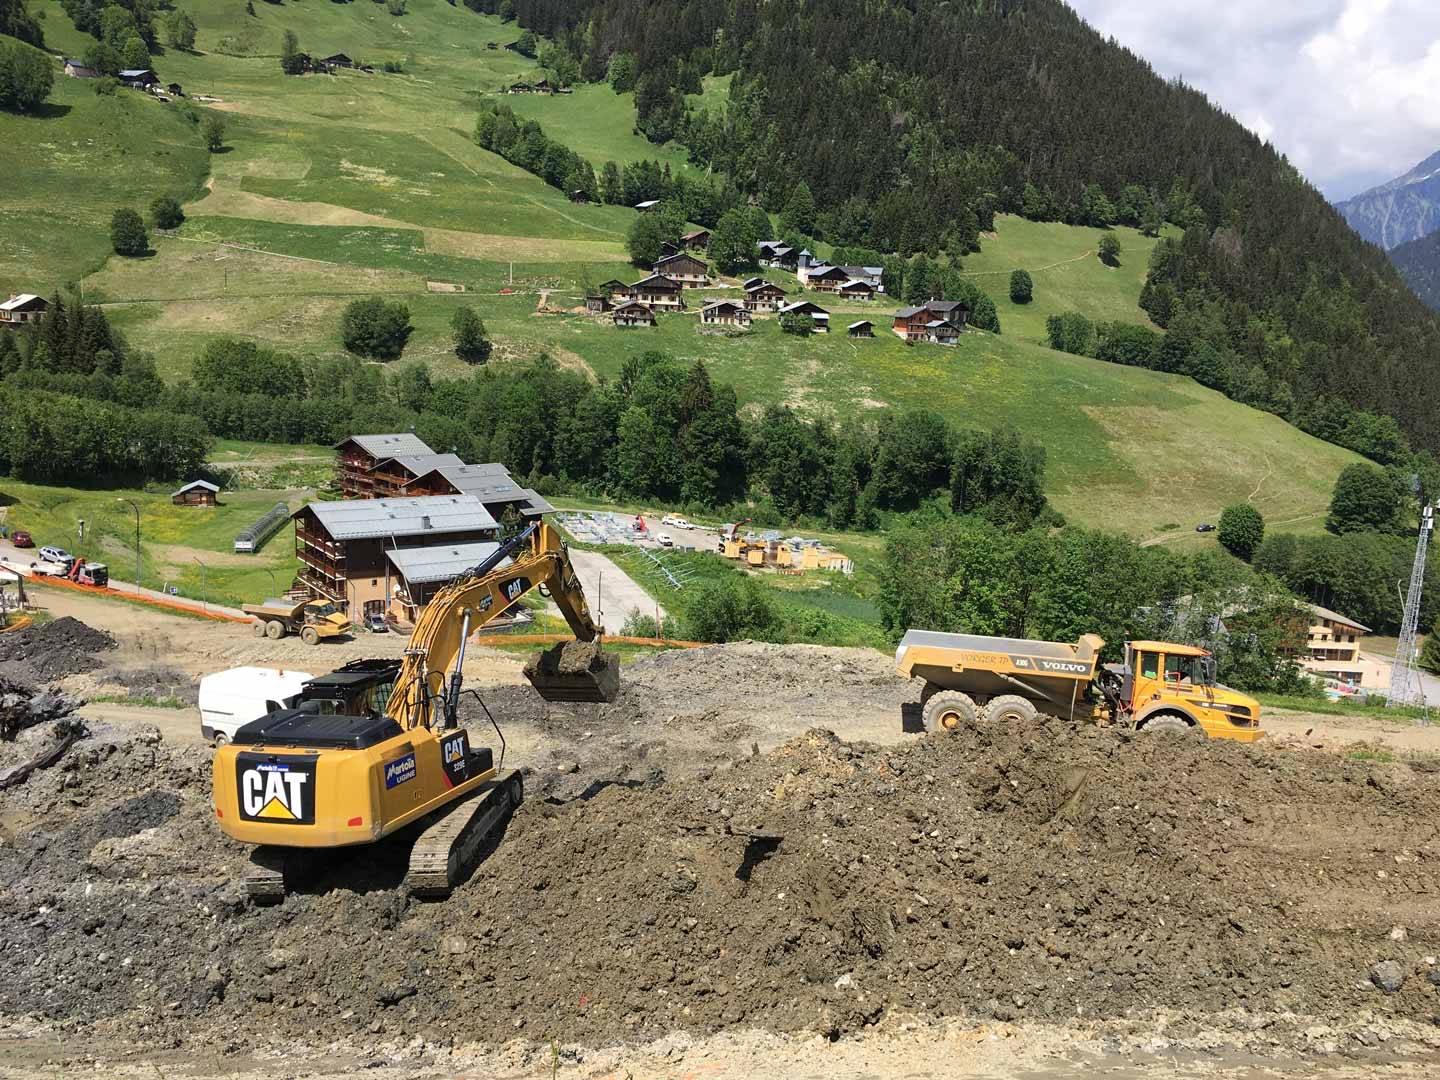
[{"x": 1348, "y": 89}]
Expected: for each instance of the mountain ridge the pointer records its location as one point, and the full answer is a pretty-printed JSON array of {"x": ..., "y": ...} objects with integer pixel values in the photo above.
[{"x": 1398, "y": 211}]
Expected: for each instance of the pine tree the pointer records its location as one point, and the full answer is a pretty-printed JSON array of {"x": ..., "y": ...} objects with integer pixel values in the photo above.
[{"x": 799, "y": 212}]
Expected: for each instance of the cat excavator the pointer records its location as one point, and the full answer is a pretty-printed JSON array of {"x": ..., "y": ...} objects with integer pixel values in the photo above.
[{"x": 376, "y": 746}]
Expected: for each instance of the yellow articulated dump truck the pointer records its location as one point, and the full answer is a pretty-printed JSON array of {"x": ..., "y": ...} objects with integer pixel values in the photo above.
[{"x": 1160, "y": 686}]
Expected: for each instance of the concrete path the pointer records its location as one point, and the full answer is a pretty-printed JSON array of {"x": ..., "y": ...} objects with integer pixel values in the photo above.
[{"x": 611, "y": 593}]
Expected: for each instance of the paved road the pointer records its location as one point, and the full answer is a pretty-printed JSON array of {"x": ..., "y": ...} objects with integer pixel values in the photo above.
[{"x": 611, "y": 593}]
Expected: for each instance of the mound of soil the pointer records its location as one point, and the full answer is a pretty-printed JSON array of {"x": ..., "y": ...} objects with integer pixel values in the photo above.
[
  {"x": 1033, "y": 871},
  {"x": 53, "y": 650}
]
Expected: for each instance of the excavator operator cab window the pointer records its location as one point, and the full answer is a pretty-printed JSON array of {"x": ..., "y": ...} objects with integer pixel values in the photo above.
[{"x": 1149, "y": 665}]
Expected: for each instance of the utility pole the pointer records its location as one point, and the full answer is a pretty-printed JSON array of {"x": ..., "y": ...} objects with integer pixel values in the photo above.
[
  {"x": 1405, "y": 685},
  {"x": 137, "y": 540},
  {"x": 202, "y": 582}
]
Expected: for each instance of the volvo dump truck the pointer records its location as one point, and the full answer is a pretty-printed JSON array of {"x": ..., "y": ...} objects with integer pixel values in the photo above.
[
  {"x": 377, "y": 746},
  {"x": 313, "y": 620},
  {"x": 1160, "y": 686}
]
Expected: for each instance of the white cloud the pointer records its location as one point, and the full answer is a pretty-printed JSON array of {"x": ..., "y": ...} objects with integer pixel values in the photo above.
[{"x": 1348, "y": 89}]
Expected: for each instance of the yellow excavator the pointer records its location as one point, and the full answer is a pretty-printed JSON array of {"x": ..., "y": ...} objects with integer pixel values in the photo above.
[{"x": 376, "y": 746}]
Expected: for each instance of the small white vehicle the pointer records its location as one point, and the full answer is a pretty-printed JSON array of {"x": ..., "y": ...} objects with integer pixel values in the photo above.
[
  {"x": 231, "y": 699},
  {"x": 681, "y": 523},
  {"x": 664, "y": 539},
  {"x": 57, "y": 555},
  {"x": 667, "y": 520}
]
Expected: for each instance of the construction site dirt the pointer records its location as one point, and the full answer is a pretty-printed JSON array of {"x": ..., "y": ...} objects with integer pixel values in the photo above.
[{"x": 746, "y": 850}]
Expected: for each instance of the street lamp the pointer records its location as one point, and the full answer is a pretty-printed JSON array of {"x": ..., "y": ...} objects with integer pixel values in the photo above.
[
  {"x": 275, "y": 588},
  {"x": 202, "y": 581},
  {"x": 137, "y": 540}
]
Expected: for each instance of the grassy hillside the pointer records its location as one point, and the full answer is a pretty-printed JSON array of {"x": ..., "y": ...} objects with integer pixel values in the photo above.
[{"x": 335, "y": 187}]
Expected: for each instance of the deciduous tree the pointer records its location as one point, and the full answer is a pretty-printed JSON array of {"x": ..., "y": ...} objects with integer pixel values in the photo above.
[{"x": 127, "y": 233}]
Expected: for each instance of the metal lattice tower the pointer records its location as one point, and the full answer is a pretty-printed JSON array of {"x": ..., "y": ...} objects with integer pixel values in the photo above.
[{"x": 1405, "y": 685}]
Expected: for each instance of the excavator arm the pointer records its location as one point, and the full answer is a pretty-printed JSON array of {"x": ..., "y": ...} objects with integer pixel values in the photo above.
[{"x": 427, "y": 688}]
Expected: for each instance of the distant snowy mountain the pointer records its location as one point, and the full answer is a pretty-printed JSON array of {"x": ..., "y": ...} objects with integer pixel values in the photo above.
[{"x": 1405, "y": 209}]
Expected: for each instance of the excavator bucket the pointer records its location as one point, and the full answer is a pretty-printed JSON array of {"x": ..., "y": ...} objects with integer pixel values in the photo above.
[{"x": 575, "y": 671}]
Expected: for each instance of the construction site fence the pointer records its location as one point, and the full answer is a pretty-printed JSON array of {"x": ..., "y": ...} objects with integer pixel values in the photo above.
[{"x": 139, "y": 598}]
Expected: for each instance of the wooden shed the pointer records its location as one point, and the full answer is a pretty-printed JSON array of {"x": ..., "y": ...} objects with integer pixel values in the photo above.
[{"x": 196, "y": 493}]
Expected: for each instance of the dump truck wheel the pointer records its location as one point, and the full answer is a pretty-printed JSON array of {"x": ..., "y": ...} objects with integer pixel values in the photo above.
[
  {"x": 1010, "y": 709},
  {"x": 310, "y": 635},
  {"x": 258, "y": 628},
  {"x": 1174, "y": 723},
  {"x": 274, "y": 629},
  {"x": 949, "y": 710},
  {"x": 220, "y": 740}
]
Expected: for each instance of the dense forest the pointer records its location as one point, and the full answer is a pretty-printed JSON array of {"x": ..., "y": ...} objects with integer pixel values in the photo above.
[
  {"x": 1419, "y": 264},
  {"x": 924, "y": 118}
]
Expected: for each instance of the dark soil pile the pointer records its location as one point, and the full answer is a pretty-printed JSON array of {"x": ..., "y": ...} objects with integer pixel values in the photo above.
[
  {"x": 53, "y": 650},
  {"x": 1033, "y": 871}
]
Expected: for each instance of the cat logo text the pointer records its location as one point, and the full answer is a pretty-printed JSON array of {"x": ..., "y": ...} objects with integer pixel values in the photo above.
[{"x": 276, "y": 790}]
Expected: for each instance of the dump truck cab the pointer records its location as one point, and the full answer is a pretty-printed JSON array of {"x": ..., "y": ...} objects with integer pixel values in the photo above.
[{"x": 1167, "y": 683}]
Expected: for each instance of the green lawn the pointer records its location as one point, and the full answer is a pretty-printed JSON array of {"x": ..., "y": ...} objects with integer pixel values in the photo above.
[{"x": 172, "y": 537}]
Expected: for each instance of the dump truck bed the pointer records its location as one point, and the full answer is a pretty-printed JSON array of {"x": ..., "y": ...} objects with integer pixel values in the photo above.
[{"x": 1050, "y": 673}]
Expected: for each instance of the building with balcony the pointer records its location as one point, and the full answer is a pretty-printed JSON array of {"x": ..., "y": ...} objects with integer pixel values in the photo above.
[
  {"x": 1332, "y": 651},
  {"x": 357, "y": 455},
  {"x": 344, "y": 547}
]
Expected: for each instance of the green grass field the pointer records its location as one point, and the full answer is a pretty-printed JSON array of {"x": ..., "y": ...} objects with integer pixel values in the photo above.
[{"x": 337, "y": 187}]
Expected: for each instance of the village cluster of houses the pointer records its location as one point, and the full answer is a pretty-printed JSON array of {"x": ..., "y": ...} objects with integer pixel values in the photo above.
[
  {"x": 142, "y": 79},
  {"x": 331, "y": 64},
  {"x": 544, "y": 86},
  {"x": 680, "y": 269}
]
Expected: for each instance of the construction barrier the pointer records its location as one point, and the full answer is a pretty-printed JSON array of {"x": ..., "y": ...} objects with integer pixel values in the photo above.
[
  {"x": 555, "y": 639},
  {"x": 139, "y": 598},
  {"x": 19, "y": 624}
]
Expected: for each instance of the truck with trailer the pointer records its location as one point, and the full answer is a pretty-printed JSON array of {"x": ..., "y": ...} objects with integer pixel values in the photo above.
[
  {"x": 313, "y": 620},
  {"x": 1159, "y": 686}
]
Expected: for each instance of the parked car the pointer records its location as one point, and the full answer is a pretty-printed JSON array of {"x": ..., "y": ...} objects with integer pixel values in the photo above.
[
  {"x": 667, "y": 520},
  {"x": 50, "y": 553},
  {"x": 1204, "y": 526},
  {"x": 22, "y": 539},
  {"x": 375, "y": 623},
  {"x": 681, "y": 523},
  {"x": 664, "y": 539}
]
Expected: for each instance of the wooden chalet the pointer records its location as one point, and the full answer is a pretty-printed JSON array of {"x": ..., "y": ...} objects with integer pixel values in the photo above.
[
  {"x": 690, "y": 272},
  {"x": 339, "y": 60},
  {"x": 78, "y": 69},
  {"x": 357, "y": 455},
  {"x": 870, "y": 274},
  {"x": 195, "y": 493},
  {"x": 817, "y": 313},
  {"x": 763, "y": 296},
  {"x": 657, "y": 291},
  {"x": 23, "y": 308},
  {"x": 914, "y": 323},
  {"x": 863, "y": 328},
  {"x": 491, "y": 483},
  {"x": 823, "y": 278},
  {"x": 633, "y": 313},
  {"x": 580, "y": 197},
  {"x": 611, "y": 287},
  {"x": 598, "y": 303},
  {"x": 139, "y": 78},
  {"x": 696, "y": 240},
  {"x": 856, "y": 290},
  {"x": 175, "y": 90},
  {"x": 725, "y": 313},
  {"x": 667, "y": 249},
  {"x": 775, "y": 253}
]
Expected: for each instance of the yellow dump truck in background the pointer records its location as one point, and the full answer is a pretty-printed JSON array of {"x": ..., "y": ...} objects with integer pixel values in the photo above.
[{"x": 1160, "y": 686}]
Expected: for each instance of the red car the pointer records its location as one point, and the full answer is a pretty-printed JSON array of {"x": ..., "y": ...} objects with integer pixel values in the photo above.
[{"x": 21, "y": 539}]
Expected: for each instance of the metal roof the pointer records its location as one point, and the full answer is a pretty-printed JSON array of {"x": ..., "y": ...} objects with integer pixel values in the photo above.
[
  {"x": 647, "y": 204},
  {"x": 862, "y": 322},
  {"x": 362, "y": 519},
  {"x": 424, "y": 565},
  {"x": 1335, "y": 616},
  {"x": 807, "y": 305},
  {"x": 196, "y": 484},
  {"x": 131, "y": 73},
  {"x": 420, "y": 464},
  {"x": 405, "y": 442},
  {"x": 906, "y": 312},
  {"x": 18, "y": 301},
  {"x": 654, "y": 281},
  {"x": 723, "y": 303}
]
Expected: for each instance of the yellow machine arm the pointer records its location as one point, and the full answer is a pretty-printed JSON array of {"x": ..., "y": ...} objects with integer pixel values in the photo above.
[{"x": 436, "y": 650}]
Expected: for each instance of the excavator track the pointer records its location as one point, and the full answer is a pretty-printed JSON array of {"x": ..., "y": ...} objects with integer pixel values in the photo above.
[
  {"x": 265, "y": 877},
  {"x": 450, "y": 842}
]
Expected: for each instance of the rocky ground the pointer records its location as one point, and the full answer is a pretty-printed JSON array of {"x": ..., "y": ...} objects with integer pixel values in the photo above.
[{"x": 728, "y": 848}]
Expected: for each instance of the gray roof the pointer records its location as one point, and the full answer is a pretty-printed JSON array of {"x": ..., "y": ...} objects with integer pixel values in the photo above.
[
  {"x": 361, "y": 519},
  {"x": 1335, "y": 616},
  {"x": 381, "y": 446},
  {"x": 945, "y": 305},
  {"x": 420, "y": 464},
  {"x": 864, "y": 271},
  {"x": 862, "y": 322},
  {"x": 196, "y": 484},
  {"x": 135, "y": 73},
  {"x": 656, "y": 281},
  {"x": 906, "y": 312},
  {"x": 425, "y": 565}
]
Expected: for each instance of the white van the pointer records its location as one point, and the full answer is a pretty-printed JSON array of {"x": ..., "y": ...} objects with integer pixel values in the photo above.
[{"x": 231, "y": 699}]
